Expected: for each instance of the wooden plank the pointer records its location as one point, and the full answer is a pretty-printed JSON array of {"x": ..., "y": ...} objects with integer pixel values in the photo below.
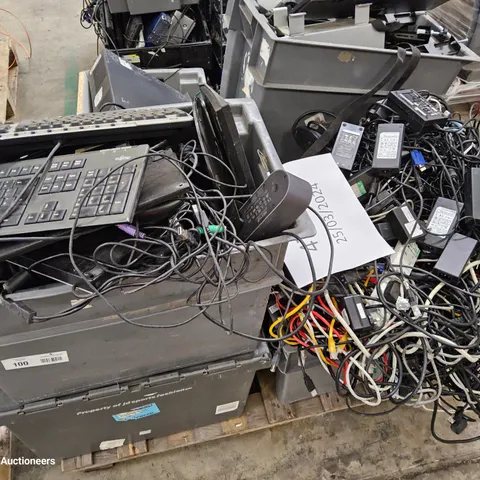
[
  {"x": 276, "y": 411},
  {"x": 8, "y": 80},
  {"x": 262, "y": 411}
]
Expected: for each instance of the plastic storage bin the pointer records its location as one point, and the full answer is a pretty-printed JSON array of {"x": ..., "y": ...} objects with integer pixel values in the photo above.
[
  {"x": 290, "y": 385},
  {"x": 122, "y": 414},
  {"x": 101, "y": 347},
  {"x": 287, "y": 76},
  {"x": 198, "y": 53}
]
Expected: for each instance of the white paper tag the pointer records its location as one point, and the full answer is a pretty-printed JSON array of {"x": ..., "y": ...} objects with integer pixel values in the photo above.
[
  {"x": 145, "y": 432},
  {"x": 442, "y": 221},
  {"x": 388, "y": 145},
  {"x": 98, "y": 97},
  {"x": 40, "y": 360},
  {"x": 408, "y": 214},
  {"x": 108, "y": 444},
  {"x": 355, "y": 239},
  {"x": 227, "y": 407}
]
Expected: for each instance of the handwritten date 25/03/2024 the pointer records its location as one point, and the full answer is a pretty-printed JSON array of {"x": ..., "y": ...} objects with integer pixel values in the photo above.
[{"x": 335, "y": 230}]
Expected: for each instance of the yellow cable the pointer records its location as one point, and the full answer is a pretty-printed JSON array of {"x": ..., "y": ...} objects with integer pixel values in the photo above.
[
  {"x": 372, "y": 271},
  {"x": 288, "y": 315},
  {"x": 332, "y": 348},
  {"x": 320, "y": 350}
]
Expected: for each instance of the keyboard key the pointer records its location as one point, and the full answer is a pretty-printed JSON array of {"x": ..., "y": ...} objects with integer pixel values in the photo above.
[
  {"x": 94, "y": 201},
  {"x": 58, "y": 215},
  {"x": 119, "y": 202},
  {"x": 125, "y": 182},
  {"x": 44, "y": 217},
  {"x": 3, "y": 172},
  {"x": 107, "y": 198},
  {"x": 103, "y": 171},
  {"x": 75, "y": 212},
  {"x": 69, "y": 186},
  {"x": 49, "y": 179},
  {"x": 98, "y": 190},
  {"x": 19, "y": 210},
  {"x": 8, "y": 183},
  {"x": 11, "y": 192},
  {"x": 128, "y": 168},
  {"x": 61, "y": 177},
  {"x": 103, "y": 209},
  {"x": 21, "y": 182},
  {"x": 113, "y": 180},
  {"x": 14, "y": 171},
  {"x": 88, "y": 212},
  {"x": 91, "y": 174},
  {"x": 55, "y": 166},
  {"x": 26, "y": 170},
  {"x": 89, "y": 182},
  {"x": 50, "y": 206},
  {"x": 78, "y": 163},
  {"x": 73, "y": 176},
  {"x": 35, "y": 169},
  {"x": 31, "y": 218},
  {"x": 56, "y": 187},
  {"x": 11, "y": 221},
  {"x": 110, "y": 189},
  {"x": 45, "y": 189},
  {"x": 66, "y": 165},
  {"x": 83, "y": 192}
]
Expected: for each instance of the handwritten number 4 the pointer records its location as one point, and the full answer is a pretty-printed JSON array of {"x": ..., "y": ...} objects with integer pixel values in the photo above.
[{"x": 312, "y": 246}]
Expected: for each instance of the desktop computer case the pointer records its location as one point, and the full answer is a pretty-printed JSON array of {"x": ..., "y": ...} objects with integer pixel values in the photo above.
[{"x": 120, "y": 414}]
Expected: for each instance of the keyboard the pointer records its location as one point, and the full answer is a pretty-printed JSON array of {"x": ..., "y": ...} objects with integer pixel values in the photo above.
[
  {"x": 90, "y": 127},
  {"x": 56, "y": 202}
]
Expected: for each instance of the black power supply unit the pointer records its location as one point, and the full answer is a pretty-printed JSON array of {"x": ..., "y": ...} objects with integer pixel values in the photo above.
[
  {"x": 416, "y": 111},
  {"x": 388, "y": 149},
  {"x": 404, "y": 225},
  {"x": 455, "y": 256},
  {"x": 442, "y": 222},
  {"x": 358, "y": 316},
  {"x": 472, "y": 193}
]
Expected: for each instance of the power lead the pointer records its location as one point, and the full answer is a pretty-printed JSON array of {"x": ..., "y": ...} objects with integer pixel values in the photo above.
[
  {"x": 419, "y": 160},
  {"x": 275, "y": 360},
  {"x": 358, "y": 316},
  {"x": 459, "y": 421},
  {"x": 310, "y": 385}
]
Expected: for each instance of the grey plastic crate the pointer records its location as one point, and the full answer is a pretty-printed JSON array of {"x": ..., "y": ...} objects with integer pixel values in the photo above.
[
  {"x": 55, "y": 359},
  {"x": 287, "y": 76},
  {"x": 141, "y": 7},
  {"x": 185, "y": 80},
  {"x": 102, "y": 347},
  {"x": 280, "y": 106},
  {"x": 290, "y": 385},
  {"x": 127, "y": 413},
  {"x": 346, "y": 68}
]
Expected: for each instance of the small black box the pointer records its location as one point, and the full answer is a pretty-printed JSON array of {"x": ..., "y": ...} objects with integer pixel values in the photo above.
[
  {"x": 359, "y": 319},
  {"x": 404, "y": 225},
  {"x": 472, "y": 193},
  {"x": 455, "y": 256},
  {"x": 388, "y": 148},
  {"x": 442, "y": 221}
]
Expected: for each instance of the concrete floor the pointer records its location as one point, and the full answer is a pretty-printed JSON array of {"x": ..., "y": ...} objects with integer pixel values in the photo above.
[{"x": 334, "y": 447}]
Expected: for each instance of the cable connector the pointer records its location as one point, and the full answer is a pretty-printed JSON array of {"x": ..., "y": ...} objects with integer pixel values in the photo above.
[
  {"x": 275, "y": 360},
  {"x": 459, "y": 422},
  {"x": 419, "y": 160},
  {"x": 310, "y": 385}
]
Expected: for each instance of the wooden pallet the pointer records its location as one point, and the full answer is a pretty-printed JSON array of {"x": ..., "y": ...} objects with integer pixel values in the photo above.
[
  {"x": 263, "y": 411},
  {"x": 8, "y": 80}
]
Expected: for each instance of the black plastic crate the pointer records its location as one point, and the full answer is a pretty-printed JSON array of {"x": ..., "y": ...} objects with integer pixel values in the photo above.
[{"x": 196, "y": 53}]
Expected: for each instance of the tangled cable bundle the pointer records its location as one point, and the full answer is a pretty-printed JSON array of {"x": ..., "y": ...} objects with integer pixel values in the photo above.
[{"x": 422, "y": 349}]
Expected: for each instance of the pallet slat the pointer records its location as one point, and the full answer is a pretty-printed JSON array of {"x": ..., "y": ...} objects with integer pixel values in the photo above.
[
  {"x": 8, "y": 80},
  {"x": 262, "y": 411}
]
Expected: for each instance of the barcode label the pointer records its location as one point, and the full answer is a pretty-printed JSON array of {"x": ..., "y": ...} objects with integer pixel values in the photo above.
[
  {"x": 226, "y": 407},
  {"x": 35, "y": 360}
]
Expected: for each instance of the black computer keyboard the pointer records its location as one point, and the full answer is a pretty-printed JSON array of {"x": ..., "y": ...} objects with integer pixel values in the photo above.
[
  {"x": 56, "y": 201},
  {"x": 92, "y": 126}
]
